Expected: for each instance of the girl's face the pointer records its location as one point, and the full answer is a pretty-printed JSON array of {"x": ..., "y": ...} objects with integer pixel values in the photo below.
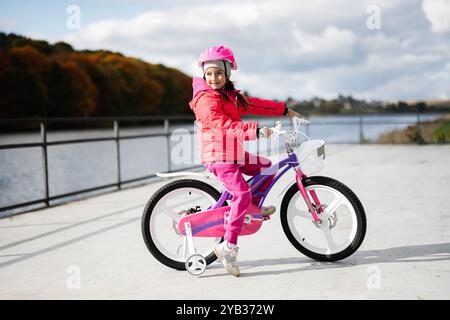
[{"x": 215, "y": 78}]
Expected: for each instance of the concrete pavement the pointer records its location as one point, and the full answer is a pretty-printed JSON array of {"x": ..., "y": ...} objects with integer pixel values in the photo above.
[{"x": 93, "y": 248}]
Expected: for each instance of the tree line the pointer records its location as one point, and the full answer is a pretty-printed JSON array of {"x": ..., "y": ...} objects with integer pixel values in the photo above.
[
  {"x": 349, "y": 105},
  {"x": 38, "y": 79}
]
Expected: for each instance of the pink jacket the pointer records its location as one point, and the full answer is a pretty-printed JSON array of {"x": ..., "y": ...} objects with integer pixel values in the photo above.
[{"x": 221, "y": 132}]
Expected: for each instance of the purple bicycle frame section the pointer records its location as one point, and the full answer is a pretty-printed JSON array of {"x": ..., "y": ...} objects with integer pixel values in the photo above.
[{"x": 290, "y": 162}]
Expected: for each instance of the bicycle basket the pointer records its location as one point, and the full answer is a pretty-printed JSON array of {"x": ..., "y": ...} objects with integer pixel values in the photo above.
[
  {"x": 311, "y": 156},
  {"x": 294, "y": 139}
]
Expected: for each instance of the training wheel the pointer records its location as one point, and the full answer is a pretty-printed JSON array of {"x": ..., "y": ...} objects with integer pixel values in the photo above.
[{"x": 195, "y": 264}]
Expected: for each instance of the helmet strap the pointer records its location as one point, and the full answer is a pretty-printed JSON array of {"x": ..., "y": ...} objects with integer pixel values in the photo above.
[{"x": 226, "y": 71}]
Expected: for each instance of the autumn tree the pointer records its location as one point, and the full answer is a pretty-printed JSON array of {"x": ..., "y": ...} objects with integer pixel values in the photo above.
[{"x": 38, "y": 79}]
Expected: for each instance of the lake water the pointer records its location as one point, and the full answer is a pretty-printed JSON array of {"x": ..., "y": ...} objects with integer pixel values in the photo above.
[{"x": 79, "y": 166}]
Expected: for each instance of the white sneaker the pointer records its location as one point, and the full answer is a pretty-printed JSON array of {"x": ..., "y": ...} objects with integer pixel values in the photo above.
[
  {"x": 267, "y": 211},
  {"x": 228, "y": 257}
]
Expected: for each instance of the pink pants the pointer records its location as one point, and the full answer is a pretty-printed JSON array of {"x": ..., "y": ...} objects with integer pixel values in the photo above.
[{"x": 230, "y": 174}]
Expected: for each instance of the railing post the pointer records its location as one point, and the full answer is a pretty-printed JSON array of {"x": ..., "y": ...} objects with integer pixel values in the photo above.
[
  {"x": 418, "y": 136},
  {"x": 166, "y": 132},
  {"x": 45, "y": 163},
  {"x": 117, "y": 139},
  {"x": 307, "y": 130},
  {"x": 361, "y": 132}
]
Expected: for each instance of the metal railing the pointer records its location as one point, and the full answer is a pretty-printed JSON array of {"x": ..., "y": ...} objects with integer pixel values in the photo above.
[
  {"x": 362, "y": 139},
  {"x": 117, "y": 138}
]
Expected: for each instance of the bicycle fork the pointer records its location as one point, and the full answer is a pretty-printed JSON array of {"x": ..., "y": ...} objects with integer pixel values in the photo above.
[{"x": 313, "y": 208}]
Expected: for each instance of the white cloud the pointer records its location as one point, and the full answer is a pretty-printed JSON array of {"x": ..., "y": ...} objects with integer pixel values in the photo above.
[
  {"x": 331, "y": 41},
  {"x": 438, "y": 14},
  {"x": 292, "y": 48}
]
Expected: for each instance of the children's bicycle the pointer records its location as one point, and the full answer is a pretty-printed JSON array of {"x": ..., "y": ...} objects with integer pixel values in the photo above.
[{"x": 321, "y": 217}]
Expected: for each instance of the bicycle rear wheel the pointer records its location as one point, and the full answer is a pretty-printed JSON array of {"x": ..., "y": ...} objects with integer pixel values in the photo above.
[
  {"x": 343, "y": 224},
  {"x": 159, "y": 221}
]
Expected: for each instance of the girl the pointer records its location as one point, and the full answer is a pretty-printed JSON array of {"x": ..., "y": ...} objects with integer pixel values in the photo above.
[{"x": 218, "y": 107}]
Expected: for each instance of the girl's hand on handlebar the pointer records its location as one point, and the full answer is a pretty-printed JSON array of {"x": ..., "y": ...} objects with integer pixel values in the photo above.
[
  {"x": 291, "y": 113},
  {"x": 265, "y": 132}
]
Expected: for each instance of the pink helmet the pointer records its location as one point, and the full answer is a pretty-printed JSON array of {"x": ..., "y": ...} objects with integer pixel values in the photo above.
[{"x": 217, "y": 53}]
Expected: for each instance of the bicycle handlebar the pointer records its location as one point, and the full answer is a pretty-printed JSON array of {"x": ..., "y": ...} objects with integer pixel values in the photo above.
[{"x": 296, "y": 121}]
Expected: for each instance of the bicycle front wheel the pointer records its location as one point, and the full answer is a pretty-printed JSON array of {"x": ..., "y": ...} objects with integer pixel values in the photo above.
[
  {"x": 343, "y": 219},
  {"x": 159, "y": 221}
]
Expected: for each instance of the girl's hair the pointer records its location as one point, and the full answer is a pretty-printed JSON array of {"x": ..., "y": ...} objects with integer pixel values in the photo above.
[{"x": 229, "y": 86}]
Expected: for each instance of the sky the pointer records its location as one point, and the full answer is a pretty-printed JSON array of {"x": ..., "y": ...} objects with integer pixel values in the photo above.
[{"x": 370, "y": 49}]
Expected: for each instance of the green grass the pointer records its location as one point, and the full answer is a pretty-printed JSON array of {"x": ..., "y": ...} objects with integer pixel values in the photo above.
[
  {"x": 437, "y": 131},
  {"x": 442, "y": 134}
]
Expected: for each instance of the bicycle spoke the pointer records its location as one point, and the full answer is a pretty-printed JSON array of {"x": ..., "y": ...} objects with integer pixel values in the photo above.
[
  {"x": 300, "y": 212},
  {"x": 183, "y": 201},
  {"x": 328, "y": 237},
  {"x": 332, "y": 207},
  {"x": 168, "y": 211}
]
